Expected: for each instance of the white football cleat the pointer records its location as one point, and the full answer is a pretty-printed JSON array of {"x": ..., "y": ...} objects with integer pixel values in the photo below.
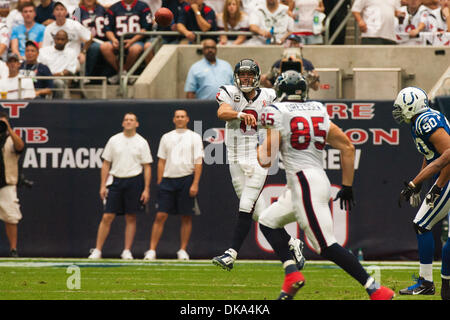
[
  {"x": 296, "y": 248},
  {"x": 182, "y": 255},
  {"x": 126, "y": 255},
  {"x": 150, "y": 255},
  {"x": 226, "y": 260},
  {"x": 95, "y": 254}
]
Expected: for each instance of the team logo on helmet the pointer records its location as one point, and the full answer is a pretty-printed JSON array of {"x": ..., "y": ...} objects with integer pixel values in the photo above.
[{"x": 410, "y": 101}]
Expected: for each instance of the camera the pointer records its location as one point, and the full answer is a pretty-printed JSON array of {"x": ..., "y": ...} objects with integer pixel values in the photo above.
[
  {"x": 23, "y": 182},
  {"x": 3, "y": 127},
  {"x": 291, "y": 65}
]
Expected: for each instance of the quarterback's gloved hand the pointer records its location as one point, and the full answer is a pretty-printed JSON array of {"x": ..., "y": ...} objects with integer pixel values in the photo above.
[
  {"x": 411, "y": 194},
  {"x": 346, "y": 197},
  {"x": 432, "y": 196}
]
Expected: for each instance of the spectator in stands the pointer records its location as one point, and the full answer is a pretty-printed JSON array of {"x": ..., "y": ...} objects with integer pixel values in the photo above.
[
  {"x": 4, "y": 30},
  {"x": 335, "y": 22},
  {"x": 70, "y": 5},
  {"x": 62, "y": 61},
  {"x": 207, "y": 75},
  {"x": 9, "y": 86},
  {"x": 4, "y": 71},
  {"x": 376, "y": 20},
  {"x": 4, "y": 9},
  {"x": 445, "y": 10},
  {"x": 92, "y": 15},
  {"x": 44, "y": 12},
  {"x": 32, "y": 68},
  {"x": 78, "y": 35},
  {"x": 107, "y": 3},
  {"x": 176, "y": 6},
  {"x": 15, "y": 17},
  {"x": 196, "y": 16},
  {"x": 30, "y": 30},
  {"x": 271, "y": 23},
  {"x": 249, "y": 6},
  {"x": 292, "y": 54},
  {"x": 435, "y": 15},
  {"x": 154, "y": 5},
  {"x": 410, "y": 20},
  {"x": 232, "y": 18},
  {"x": 304, "y": 12},
  {"x": 216, "y": 5},
  {"x": 122, "y": 17}
]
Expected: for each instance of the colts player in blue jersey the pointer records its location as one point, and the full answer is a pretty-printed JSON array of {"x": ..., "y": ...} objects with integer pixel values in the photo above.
[
  {"x": 122, "y": 17},
  {"x": 431, "y": 133}
]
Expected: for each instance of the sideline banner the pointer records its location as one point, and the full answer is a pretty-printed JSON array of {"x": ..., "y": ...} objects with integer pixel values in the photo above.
[{"x": 65, "y": 139}]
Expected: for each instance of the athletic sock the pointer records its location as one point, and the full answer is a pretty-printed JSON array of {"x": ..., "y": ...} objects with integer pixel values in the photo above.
[
  {"x": 241, "y": 230},
  {"x": 278, "y": 239},
  {"x": 426, "y": 271},
  {"x": 289, "y": 267},
  {"x": 445, "y": 269},
  {"x": 371, "y": 286},
  {"x": 347, "y": 261},
  {"x": 425, "y": 242}
]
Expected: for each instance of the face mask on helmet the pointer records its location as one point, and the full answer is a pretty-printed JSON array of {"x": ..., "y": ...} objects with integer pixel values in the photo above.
[
  {"x": 291, "y": 83},
  {"x": 410, "y": 101},
  {"x": 247, "y": 66}
]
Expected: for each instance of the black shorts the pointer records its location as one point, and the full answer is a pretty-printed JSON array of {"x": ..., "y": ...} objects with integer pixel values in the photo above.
[
  {"x": 173, "y": 196},
  {"x": 124, "y": 195}
]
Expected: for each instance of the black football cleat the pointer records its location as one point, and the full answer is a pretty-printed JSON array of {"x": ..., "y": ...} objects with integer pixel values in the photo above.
[{"x": 421, "y": 286}]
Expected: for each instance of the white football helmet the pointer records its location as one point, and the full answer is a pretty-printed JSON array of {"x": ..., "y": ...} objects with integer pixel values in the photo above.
[{"x": 410, "y": 102}]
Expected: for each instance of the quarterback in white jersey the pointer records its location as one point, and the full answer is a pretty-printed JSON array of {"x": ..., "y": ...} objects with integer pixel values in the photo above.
[
  {"x": 300, "y": 130},
  {"x": 240, "y": 106}
]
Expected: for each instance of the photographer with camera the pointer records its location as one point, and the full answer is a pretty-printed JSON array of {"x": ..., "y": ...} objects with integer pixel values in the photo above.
[
  {"x": 11, "y": 148},
  {"x": 292, "y": 59}
]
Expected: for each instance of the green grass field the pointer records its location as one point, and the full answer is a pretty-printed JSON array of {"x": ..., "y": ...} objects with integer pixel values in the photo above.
[{"x": 52, "y": 279}]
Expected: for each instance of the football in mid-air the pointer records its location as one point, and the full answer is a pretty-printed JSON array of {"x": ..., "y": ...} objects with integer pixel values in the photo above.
[{"x": 164, "y": 17}]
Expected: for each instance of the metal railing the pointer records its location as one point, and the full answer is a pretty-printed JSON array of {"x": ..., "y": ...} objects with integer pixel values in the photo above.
[
  {"x": 442, "y": 88},
  {"x": 327, "y": 39},
  {"x": 82, "y": 89},
  {"x": 156, "y": 44}
]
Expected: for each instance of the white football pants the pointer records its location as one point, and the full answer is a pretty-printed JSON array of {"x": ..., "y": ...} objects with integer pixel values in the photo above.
[
  {"x": 305, "y": 200},
  {"x": 248, "y": 181}
]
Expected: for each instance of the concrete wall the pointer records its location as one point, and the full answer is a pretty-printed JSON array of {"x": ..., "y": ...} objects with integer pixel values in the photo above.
[{"x": 165, "y": 76}]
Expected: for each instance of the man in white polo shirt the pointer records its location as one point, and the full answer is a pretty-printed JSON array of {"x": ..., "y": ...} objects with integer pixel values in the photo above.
[
  {"x": 9, "y": 84},
  {"x": 127, "y": 159},
  {"x": 180, "y": 156}
]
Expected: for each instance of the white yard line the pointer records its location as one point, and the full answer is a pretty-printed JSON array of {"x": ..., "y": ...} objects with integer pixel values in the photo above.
[{"x": 64, "y": 262}]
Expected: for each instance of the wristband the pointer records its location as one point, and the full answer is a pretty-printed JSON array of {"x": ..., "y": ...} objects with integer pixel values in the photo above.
[
  {"x": 412, "y": 185},
  {"x": 240, "y": 115}
]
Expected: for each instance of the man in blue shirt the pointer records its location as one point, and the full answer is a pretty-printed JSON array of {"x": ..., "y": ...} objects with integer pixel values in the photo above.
[
  {"x": 206, "y": 76},
  {"x": 30, "y": 30}
]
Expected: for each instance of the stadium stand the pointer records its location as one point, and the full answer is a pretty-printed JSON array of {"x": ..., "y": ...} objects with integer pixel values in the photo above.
[{"x": 340, "y": 66}]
